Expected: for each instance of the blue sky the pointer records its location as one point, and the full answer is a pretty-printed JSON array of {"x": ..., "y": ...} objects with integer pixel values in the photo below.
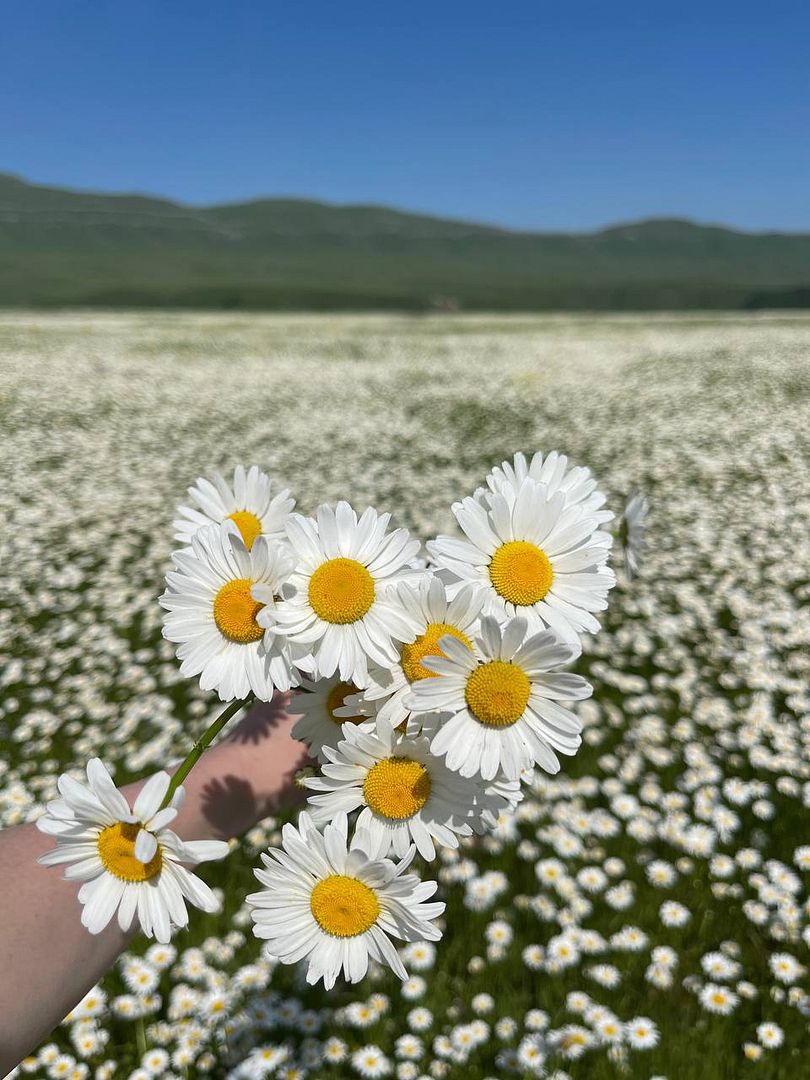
[{"x": 534, "y": 115}]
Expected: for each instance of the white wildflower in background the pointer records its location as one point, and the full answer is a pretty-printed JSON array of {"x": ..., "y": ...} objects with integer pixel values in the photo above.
[
  {"x": 718, "y": 999},
  {"x": 641, "y": 1033},
  {"x": 786, "y": 968},
  {"x": 531, "y": 1055},
  {"x": 674, "y": 913},
  {"x": 770, "y": 1035},
  {"x": 370, "y": 1062},
  {"x": 413, "y": 989}
]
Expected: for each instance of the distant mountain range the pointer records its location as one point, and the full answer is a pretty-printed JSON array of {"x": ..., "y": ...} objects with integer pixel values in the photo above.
[{"x": 66, "y": 248}]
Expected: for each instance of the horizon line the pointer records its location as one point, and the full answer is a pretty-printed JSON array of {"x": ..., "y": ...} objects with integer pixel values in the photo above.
[{"x": 407, "y": 212}]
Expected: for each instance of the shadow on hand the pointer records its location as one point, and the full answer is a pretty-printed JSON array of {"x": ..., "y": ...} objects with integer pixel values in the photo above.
[
  {"x": 231, "y": 805},
  {"x": 261, "y": 720},
  {"x": 230, "y": 802}
]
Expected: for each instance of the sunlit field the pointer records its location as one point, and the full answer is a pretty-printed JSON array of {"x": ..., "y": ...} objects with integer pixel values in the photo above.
[{"x": 645, "y": 912}]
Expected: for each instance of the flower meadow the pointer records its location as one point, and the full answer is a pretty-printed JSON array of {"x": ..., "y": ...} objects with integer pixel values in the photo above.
[{"x": 448, "y": 904}]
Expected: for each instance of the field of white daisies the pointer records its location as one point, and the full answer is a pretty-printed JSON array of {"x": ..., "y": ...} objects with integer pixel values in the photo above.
[{"x": 557, "y": 819}]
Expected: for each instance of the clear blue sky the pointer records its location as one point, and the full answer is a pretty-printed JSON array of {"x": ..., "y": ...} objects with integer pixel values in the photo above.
[{"x": 543, "y": 115}]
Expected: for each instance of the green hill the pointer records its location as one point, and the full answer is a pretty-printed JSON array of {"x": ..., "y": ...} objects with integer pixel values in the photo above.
[{"x": 67, "y": 248}]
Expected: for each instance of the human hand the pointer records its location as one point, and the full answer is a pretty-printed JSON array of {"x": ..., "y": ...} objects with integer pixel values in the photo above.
[{"x": 246, "y": 776}]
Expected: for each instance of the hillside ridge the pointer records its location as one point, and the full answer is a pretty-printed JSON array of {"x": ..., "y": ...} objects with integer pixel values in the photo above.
[{"x": 60, "y": 247}]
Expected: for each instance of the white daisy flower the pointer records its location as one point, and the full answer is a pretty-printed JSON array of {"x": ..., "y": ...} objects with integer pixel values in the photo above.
[
  {"x": 770, "y": 1035},
  {"x": 610, "y": 1029},
  {"x": 641, "y": 1033},
  {"x": 718, "y": 999},
  {"x": 334, "y": 1050},
  {"x": 503, "y": 703},
  {"x": 426, "y": 604},
  {"x": 786, "y": 968},
  {"x": 576, "y": 483},
  {"x": 370, "y": 1062},
  {"x": 338, "y": 904},
  {"x": 335, "y": 603},
  {"x": 323, "y": 711},
  {"x": 572, "y": 1041},
  {"x": 129, "y": 863},
  {"x": 633, "y": 529},
  {"x": 407, "y": 794},
  {"x": 213, "y": 599},
  {"x": 531, "y": 1055},
  {"x": 248, "y": 503},
  {"x": 419, "y": 1019},
  {"x": 533, "y": 555}
]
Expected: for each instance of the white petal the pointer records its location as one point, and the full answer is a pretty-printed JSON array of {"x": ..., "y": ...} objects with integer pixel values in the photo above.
[
  {"x": 145, "y": 846},
  {"x": 151, "y": 796}
]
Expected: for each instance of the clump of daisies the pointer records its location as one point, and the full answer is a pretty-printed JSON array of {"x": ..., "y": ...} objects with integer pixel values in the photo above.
[{"x": 429, "y": 691}]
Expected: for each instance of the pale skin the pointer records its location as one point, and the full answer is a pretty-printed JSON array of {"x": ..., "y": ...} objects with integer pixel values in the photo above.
[{"x": 48, "y": 960}]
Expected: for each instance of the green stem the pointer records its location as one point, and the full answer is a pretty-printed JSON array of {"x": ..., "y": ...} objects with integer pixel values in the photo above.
[
  {"x": 202, "y": 744},
  {"x": 140, "y": 1036}
]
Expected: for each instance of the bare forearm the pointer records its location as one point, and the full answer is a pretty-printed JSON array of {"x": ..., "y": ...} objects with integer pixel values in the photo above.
[{"x": 46, "y": 955}]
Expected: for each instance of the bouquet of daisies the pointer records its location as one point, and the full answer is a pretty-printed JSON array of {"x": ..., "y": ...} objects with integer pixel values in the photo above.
[{"x": 429, "y": 689}]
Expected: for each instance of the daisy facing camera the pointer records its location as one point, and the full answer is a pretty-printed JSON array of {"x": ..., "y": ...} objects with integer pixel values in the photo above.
[{"x": 337, "y": 903}]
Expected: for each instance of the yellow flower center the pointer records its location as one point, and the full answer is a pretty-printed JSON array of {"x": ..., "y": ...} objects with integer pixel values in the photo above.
[
  {"x": 343, "y": 906},
  {"x": 397, "y": 788},
  {"x": 521, "y": 573},
  {"x": 116, "y": 849},
  {"x": 235, "y": 612},
  {"x": 574, "y": 1039},
  {"x": 426, "y": 645},
  {"x": 335, "y": 699},
  {"x": 497, "y": 693},
  {"x": 341, "y": 591},
  {"x": 248, "y": 525}
]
